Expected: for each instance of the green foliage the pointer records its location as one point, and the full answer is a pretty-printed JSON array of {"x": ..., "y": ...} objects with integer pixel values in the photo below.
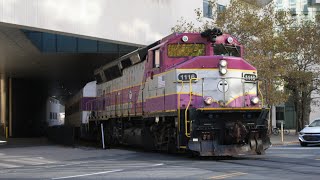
[{"x": 283, "y": 54}]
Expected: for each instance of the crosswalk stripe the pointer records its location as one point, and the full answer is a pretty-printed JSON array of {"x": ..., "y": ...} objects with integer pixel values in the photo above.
[
  {"x": 21, "y": 161},
  {"x": 5, "y": 165},
  {"x": 38, "y": 160}
]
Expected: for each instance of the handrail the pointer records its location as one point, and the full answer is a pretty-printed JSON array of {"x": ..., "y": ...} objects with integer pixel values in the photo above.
[
  {"x": 179, "y": 115},
  {"x": 186, "y": 111},
  {"x": 260, "y": 93}
]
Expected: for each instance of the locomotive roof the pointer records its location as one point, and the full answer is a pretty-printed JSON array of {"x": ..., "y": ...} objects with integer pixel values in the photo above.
[{"x": 140, "y": 54}]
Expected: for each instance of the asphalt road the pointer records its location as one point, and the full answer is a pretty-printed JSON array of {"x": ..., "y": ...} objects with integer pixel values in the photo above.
[{"x": 59, "y": 162}]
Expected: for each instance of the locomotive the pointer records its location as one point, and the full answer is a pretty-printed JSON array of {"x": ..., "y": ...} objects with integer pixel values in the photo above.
[{"x": 187, "y": 91}]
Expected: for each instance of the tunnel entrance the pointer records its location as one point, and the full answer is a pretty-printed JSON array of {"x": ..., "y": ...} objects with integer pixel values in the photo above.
[
  {"x": 29, "y": 107},
  {"x": 37, "y": 65}
]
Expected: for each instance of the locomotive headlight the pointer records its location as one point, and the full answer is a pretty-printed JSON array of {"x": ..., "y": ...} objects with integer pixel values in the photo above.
[
  {"x": 223, "y": 71},
  {"x": 208, "y": 100},
  {"x": 185, "y": 38},
  {"x": 223, "y": 67},
  {"x": 223, "y": 63},
  {"x": 255, "y": 100}
]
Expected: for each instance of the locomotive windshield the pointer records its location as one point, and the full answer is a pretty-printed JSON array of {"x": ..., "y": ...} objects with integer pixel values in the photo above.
[
  {"x": 183, "y": 50},
  {"x": 227, "y": 50}
]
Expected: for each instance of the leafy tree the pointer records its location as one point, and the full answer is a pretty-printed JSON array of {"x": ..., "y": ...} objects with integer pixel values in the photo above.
[
  {"x": 253, "y": 27},
  {"x": 303, "y": 75},
  {"x": 283, "y": 55}
]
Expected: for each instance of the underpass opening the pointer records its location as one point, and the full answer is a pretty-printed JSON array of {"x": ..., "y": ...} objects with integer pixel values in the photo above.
[{"x": 36, "y": 66}]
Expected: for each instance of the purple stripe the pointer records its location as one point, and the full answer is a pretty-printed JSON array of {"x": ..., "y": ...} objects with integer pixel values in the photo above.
[{"x": 87, "y": 103}]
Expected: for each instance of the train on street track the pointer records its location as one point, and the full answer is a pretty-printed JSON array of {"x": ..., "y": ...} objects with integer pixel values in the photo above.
[{"x": 186, "y": 92}]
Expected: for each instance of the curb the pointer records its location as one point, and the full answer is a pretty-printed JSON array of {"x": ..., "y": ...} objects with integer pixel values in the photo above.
[{"x": 285, "y": 143}]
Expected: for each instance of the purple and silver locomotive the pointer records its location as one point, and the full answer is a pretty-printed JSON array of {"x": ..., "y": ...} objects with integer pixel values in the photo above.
[{"x": 191, "y": 91}]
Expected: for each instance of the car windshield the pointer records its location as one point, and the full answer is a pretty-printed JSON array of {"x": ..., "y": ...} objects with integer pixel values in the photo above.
[{"x": 315, "y": 123}]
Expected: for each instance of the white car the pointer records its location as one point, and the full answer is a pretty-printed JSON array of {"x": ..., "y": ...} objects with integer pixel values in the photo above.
[{"x": 310, "y": 134}]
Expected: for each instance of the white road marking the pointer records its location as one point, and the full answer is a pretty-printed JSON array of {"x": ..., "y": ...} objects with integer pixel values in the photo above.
[
  {"x": 5, "y": 165},
  {"x": 38, "y": 160},
  {"x": 154, "y": 165},
  {"x": 105, "y": 172},
  {"x": 21, "y": 161},
  {"x": 82, "y": 175},
  {"x": 229, "y": 175},
  {"x": 295, "y": 148}
]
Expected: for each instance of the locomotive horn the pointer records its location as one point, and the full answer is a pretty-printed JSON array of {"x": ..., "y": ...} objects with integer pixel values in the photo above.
[{"x": 211, "y": 34}]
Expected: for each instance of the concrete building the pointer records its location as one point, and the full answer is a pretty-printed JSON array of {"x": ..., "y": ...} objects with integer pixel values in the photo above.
[
  {"x": 301, "y": 9},
  {"x": 50, "y": 48}
]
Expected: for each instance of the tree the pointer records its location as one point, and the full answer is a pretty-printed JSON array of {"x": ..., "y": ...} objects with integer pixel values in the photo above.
[
  {"x": 303, "y": 75},
  {"x": 254, "y": 28},
  {"x": 283, "y": 54}
]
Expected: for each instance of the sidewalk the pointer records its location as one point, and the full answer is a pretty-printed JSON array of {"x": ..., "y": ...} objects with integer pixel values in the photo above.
[
  {"x": 23, "y": 142},
  {"x": 2, "y": 141},
  {"x": 287, "y": 139}
]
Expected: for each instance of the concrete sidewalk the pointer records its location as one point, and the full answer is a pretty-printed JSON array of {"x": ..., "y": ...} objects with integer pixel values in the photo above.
[
  {"x": 292, "y": 138},
  {"x": 2, "y": 142},
  {"x": 23, "y": 142}
]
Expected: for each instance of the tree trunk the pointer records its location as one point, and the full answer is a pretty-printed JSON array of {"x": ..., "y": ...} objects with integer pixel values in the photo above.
[{"x": 306, "y": 108}]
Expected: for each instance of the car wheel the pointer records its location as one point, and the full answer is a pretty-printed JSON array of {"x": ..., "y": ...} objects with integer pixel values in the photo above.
[{"x": 303, "y": 144}]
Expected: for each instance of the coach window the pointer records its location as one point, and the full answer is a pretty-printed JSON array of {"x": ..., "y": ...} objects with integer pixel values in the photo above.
[{"x": 156, "y": 58}]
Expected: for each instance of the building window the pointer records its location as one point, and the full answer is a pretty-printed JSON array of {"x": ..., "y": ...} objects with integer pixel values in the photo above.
[
  {"x": 305, "y": 9},
  {"x": 293, "y": 11},
  {"x": 221, "y": 8},
  {"x": 292, "y": 2},
  {"x": 207, "y": 9}
]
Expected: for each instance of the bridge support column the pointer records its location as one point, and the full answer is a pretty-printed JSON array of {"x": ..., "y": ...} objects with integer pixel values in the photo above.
[{"x": 3, "y": 106}]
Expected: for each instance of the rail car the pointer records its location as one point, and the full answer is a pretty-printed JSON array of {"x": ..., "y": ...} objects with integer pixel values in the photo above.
[
  {"x": 77, "y": 111},
  {"x": 187, "y": 91}
]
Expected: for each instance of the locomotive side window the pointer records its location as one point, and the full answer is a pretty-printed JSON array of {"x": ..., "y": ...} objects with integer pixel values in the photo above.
[
  {"x": 184, "y": 50},
  {"x": 227, "y": 50},
  {"x": 156, "y": 58}
]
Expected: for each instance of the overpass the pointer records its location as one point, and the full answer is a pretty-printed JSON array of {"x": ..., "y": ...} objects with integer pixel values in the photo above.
[{"x": 50, "y": 48}]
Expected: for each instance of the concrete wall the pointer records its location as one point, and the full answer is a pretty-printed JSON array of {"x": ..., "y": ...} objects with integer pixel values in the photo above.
[{"x": 126, "y": 21}]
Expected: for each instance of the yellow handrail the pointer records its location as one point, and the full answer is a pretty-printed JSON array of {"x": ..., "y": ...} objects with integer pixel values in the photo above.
[
  {"x": 179, "y": 115},
  {"x": 260, "y": 93},
  {"x": 186, "y": 111}
]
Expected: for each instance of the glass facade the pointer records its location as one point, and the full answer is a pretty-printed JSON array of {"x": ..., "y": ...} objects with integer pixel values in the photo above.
[
  {"x": 301, "y": 9},
  {"x": 208, "y": 8},
  {"x": 55, "y": 43}
]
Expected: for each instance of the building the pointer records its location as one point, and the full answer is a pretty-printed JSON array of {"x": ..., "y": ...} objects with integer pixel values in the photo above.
[
  {"x": 300, "y": 10},
  {"x": 50, "y": 48}
]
